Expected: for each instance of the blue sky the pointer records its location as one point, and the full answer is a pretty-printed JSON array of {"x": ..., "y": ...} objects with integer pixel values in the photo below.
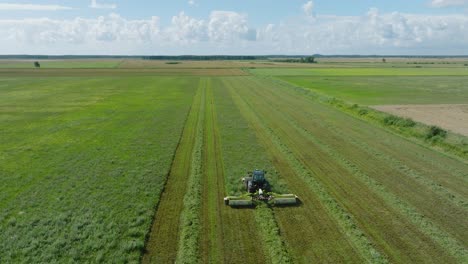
[{"x": 234, "y": 27}]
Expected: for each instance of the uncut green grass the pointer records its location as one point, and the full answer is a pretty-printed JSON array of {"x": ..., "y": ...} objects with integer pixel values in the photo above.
[
  {"x": 372, "y": 90},
  {"x": 82, "y": 163}
]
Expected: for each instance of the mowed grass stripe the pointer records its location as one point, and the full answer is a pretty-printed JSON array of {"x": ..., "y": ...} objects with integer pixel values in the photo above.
[
  {"x": 227, "y": 233},
  {"x": 190, "y": 221},
  {"x": 319, "y": 229},
  {"x": 450, "y": 172},
  {"x": 337, "y": 151},
  {"x": 162, "y": 243},
  {"x": 408, "y": 184},
  {"x": 390, "y": 231},
  {"x": 426, "y": 224},
  {"x": 242, "y": 152}
]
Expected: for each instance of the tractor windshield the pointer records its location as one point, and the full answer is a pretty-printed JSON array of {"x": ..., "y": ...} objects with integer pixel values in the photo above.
[{"x": 258, "y": 176}]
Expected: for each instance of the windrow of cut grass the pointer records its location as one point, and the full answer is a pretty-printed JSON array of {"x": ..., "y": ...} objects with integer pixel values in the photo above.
[
  {"x": 227, "y": 235},
  {"x": 403, "y": 241},
  {"x": 417, "y": 162},
  {"x": 327, "y": 231},
  {"x": 190, "y": 218},
  {"x": 162, "y": 243},
  {"x": 432, "y": 221},
  {"x": 406, "y": 183},
  {"x": 450, "y": 143},
  {"x": 84, "y": 163},
  {"x": 241, "y": 153}
]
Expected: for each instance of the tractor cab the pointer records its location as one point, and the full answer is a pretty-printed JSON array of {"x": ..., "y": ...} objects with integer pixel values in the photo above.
[
  {"x": 258, "y": 176},
  {"x": 255, "y": 181}
]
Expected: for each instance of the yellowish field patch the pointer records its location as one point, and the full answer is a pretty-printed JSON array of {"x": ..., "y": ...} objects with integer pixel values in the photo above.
[{"x": 453, "y": 117}]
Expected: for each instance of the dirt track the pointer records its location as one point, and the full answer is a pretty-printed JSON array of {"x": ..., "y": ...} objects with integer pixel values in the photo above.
[{"x": 453, "y": 117}]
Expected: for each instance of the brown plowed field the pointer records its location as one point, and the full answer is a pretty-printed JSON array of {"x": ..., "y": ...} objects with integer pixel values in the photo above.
[{"x": 453, "y": 117}]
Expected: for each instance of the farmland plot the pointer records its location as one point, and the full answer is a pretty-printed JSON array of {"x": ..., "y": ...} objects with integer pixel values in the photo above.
[
  {"x": 82, "y": 164},
  {"x": 307, "y": 130},
  {"x": 135, "y": 168}
]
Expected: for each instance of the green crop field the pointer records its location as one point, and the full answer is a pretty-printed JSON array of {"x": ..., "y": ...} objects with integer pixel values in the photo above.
[
  {"x": 372, "y": 90},
  {"x": 60, "y": 64},
  {"x": 377, "y": 70},
  {"x": 132, "y": 165}
]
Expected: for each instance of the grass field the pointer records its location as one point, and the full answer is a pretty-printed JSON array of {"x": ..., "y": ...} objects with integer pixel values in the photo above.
[
  {"x": 131, "y": 165},
  {"x": 389, "y": 90},
  {"x": 361, "y": 71},
  {"x": 60, "y": 64}
]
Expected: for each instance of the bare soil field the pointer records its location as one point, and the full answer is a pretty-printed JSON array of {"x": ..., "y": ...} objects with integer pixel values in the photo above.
[{"x": 453, "y": 117}]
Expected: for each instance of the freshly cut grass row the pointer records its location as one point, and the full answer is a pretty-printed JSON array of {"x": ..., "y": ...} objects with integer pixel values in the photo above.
[
  {"x": 242, "y": 152},
  {"x": 190, "y": 218},
  {"x": 412, "y": 189},
  {"x": 380, "y": 222},
  {"x": 448, "y": 215},
  {"x": 314, "y": 196},
  {"x": 453, "y": 144},
  {"x": 212, "y": 240},
  {"x": 162, "y": 241},
  {"x": 426, "y": 225},
  {"x": 227, "y": 235},
  {"x": 417, "y": 159}
]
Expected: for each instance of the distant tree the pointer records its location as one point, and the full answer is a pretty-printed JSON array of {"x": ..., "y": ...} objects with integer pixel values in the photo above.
[
  {"x": 310, "y": 59},
  {"x": 384, "y": 60},
  {"x": 37, "y": 64}
]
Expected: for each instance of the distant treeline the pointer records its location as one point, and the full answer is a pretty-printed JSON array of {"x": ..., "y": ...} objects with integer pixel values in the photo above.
[
  {"x": 208, "y": 57},
  {"x": 204, "y": 58}
]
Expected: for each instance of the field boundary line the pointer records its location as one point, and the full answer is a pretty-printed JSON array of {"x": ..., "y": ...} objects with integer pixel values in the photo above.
[{"x": 343, "y": 218}]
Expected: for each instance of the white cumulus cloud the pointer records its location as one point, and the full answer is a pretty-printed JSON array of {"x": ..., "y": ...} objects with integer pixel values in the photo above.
[
  {"x": 96, "y": 5},
  {"x": 32, "y": 7},
  {"x": 308, "y": 7},
  {"x": 227, "y": 32},
  {"x": 448, "y": 3}
]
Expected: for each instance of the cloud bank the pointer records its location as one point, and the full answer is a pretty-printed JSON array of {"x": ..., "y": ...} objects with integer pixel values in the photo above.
[
  {"x": 226, "y": 32},
  {"x": 32, "y": 7},
  {"x": 448, "y": 3},
  {"x": 96, "y": 5}
]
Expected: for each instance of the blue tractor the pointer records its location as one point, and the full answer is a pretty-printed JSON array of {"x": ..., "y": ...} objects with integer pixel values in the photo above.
[
  {"x": 256, "y": 181},
  {"x": 259, "y": 190}
]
